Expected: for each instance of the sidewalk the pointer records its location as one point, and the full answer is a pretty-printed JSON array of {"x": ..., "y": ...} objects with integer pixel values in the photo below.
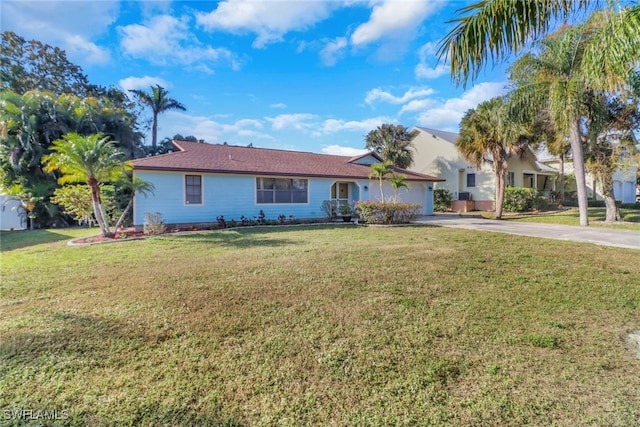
[{"x": 598, "y": 236}]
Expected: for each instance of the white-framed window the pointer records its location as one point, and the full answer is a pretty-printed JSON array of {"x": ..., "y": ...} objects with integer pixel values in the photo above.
[
  {"x": 282, "y": 190},
  {"x": 511, "y": 179},
  {"x": 471, "y": 180},
  {"x": 193, "y": 189}
]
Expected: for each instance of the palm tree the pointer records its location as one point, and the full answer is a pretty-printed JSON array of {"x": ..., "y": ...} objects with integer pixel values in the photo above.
[
  {"x": 392, "y": 143},
  {"x": 552, "y": 81},
  {"x": 135, "y": 186},
  {"x": 489, "y": 130},
  {"x": 378, "y": 171},
  {"x": 92, "y": 159},
  {"x": 398, "y": 181},
  {"x": 495, "y": 28},
  {"x": 159, "y": 103}
]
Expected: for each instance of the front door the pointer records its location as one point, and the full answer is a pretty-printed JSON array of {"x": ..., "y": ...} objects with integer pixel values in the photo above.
[{"x": 340, "y": 194}]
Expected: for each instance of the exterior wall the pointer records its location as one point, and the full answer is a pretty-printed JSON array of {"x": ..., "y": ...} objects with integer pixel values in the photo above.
[
  {"x": 418, "y": 192},
  {"x": 229, "y": 195},
  {"x": 12, "y": 216},
  {"x": 624, "y": 183}
]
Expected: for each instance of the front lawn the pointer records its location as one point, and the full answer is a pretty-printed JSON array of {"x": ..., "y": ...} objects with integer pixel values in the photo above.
[
  {"x": 322, "y": 325},
  {"x": 630, "y": 218}
]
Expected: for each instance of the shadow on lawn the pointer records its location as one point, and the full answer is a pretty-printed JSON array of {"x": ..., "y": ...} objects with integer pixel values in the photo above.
[
  {"x": 248, "y": 237},
  {"x": 77, "y": 345},
  {"x": 10, "y": 240}
]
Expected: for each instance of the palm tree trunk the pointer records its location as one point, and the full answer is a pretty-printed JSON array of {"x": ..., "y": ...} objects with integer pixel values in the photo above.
[
  {"x": 561, "y": 173},
  {"x": 575, "y": 138},
  {"x": 98, "y": 211},
  {"x": 381, "y": 191},
  {"x": 500, "y": 184},
  {"x": 154, "y": 132},
  {"x": 123, "y": 215}
]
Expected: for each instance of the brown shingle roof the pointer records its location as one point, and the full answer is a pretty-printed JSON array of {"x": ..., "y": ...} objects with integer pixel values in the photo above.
[{"x": 202, "y": 157}]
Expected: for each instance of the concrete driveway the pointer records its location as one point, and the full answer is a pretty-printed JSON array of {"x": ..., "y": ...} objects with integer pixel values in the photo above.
[{"x": 599, "y": 236}]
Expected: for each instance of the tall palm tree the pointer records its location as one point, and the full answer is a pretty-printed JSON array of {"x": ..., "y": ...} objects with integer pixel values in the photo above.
[
  {"x": 378, "y": 171},
  {"x": 392, "y": 143},
  {"x": 552, "y": 80},
  {"x": 92, "y": 159},
  {"x": 159, "y": 103},
  {"x": 489, "y": 130},
  {"x": 495, "y": 28}
]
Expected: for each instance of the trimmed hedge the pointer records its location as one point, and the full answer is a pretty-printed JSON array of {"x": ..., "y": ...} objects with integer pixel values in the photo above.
[
  {"x": 387, "y": 213},
  {"x": 520, "y": 199}
]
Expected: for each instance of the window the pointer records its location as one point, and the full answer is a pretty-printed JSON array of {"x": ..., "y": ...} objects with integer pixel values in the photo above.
[
  {"x": 471, "y": 180},
  {"x": 281, "y": 190},
  {"x": 511, "y": 179},
  {"x": 193, "y": 189}
]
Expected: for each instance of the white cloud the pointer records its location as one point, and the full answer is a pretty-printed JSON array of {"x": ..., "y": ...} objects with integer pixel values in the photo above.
[
  {"x": 333, "y": 125},
  {"x": 427, "y": 54},
  {"x": 395, "y": 19},
  {"x": 269, "y": 20},
  {"x": 339, "y": 150},
  {"x": 298, "y": 121},
  {"x": 379, "y": 95},
  {"x": 417, "y": 105},
  {"x": 166, "y": 39},
  {"x": 240, "y": 132},
  {"x": 145, "y": 82},
  {"x": 279, "y": 105},
  {"x": 70, "y": 25},
  {"x": 333, "y": 50},
  {"x": 423, "y": 71},
  {"x": 447, "y": 115}
]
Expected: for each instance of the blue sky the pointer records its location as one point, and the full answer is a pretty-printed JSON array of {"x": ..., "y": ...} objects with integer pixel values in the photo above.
[{"x": 304, "y": 75}]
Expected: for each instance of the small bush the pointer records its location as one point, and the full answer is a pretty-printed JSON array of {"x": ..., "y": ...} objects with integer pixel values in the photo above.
[
  {"x": 519, "y": 199},
  {"x": 153, "y": 224},
  {"x": 442, "y": 199},
  {"x": 387, "y": 213},
  {"x": 330, "y": 208}
]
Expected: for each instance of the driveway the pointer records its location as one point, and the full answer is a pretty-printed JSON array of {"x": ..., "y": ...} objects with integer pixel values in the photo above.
[{"x": 598, "y": 236}]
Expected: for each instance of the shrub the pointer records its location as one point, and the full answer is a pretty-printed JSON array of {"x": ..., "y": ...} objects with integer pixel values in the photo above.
[
  {"x": 153, "y": 224},
  {"x": 519, "y": 199},
  {"x": 387, "y": 213},
  {"x": 442, "y": 199},
  {"x": 330, "y": 208}
]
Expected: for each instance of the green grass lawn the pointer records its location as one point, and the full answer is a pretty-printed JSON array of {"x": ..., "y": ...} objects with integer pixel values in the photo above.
[
  {"x": 322, "y": 325},
  {"x": 630, "y": 218}
]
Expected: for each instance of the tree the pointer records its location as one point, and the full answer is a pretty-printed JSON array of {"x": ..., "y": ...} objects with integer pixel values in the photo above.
[
  {"x": 134, "y": 186},
  {"x": 495, "y": 28},
  {"x": 378, "y": 171},
  {"x": 32, "y": 65},
  {"x": 392, "y": 143},
  {"x": 489, "y": 130},
  {"x": 398, "y": 181},
  {"x": 92, "y": 159},
  {"x": 159, "y": 102}
]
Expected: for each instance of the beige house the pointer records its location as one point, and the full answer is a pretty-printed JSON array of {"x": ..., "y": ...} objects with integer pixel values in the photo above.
[{"x": 473, "y": 189}]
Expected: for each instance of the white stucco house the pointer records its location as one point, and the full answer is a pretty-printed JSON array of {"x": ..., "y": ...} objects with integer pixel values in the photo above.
[{"x": 436, "y": 155}]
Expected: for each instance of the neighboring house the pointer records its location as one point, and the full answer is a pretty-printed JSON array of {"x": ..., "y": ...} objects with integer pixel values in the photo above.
[
  {"x": 624, "y": 181},
  {"x": 12, "y": 214},
  {"x": 436, "y": 154},
  {"x": 200, "y": 182}
]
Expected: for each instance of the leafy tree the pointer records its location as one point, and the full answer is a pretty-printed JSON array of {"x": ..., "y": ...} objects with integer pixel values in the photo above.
[
  {"x": 92, "y": 159},
  {"x": 159, "y": 102},
  {"x": 32, "y": 65},
  {"x": 398, "y": 181},
  {"x": 76, "y": 201},
  {"x": 495, "y": 28},
  {"x": 392, "y": 143},
  {"x": 490, "y": 130},
  {"x": 379, "y": 171}
]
